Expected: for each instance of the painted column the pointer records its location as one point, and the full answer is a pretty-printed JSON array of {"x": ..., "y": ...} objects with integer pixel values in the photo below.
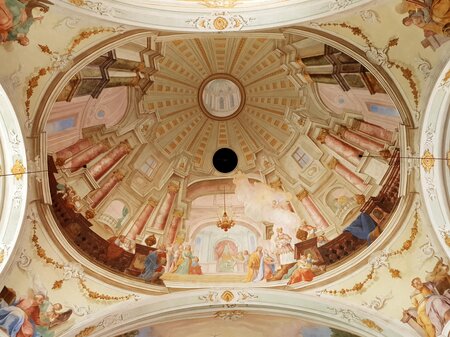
[
  {"x": 142, "y": 219},
  {"x": 312, "y": 209},
  {"x": 347, "y": 174},
  {"x": 103, "y": 191},
  {"x": 372, "y": 130},
  {"x": 174, "y": 225},
  {"x": 345, "y": 150},
  {"x": 70, "y": 151},
  {"x": 163, "y": 212},
  {"x": 82, "y": 159},
  {"x": 109, "y": 160},
  {"x": 362, "y": 141}
]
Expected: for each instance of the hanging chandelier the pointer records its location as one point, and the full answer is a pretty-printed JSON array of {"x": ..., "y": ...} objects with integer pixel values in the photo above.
[{"x": 225, "y": 222}]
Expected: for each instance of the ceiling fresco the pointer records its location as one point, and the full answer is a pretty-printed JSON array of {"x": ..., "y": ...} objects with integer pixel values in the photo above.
[
  {"x": 332, "y": 223},
  {"x": 311, "y": 187}
]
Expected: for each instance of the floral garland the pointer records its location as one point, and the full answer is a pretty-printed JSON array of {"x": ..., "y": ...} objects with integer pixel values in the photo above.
[
  {"x": 406, "y": 72},
  {"x": 40, "y": 251},
  {"x": 395, "y": 273},
  {"x": 61, "y": 60}
]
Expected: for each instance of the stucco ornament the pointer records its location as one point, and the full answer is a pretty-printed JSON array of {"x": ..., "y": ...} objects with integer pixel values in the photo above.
[
  {"x": 378, "y": 302},
  {"x": 380, "y": 260},
  {"x": 370, "y": 16},
  {"x": 73, "y": 270},
  {"x": 4, "y": 251},
  {"x": 222, "y": 21},
  {"x": 61, "y": 62},
  {"x": 228, "y": 296},
  {"x": 229, "y": 315},
  {"x": 69, "y": 22},
  {"x": 424, "y": 66},
  {"x": 98, "y": 7},
  {"x": 427, "y": 249},
  {"x": 430, "y": 187},
  {"x": 350, "y": 316},
  {"x": 378, "y": 56},
  {"x": 111, "y": 320},
  {"x": 340, "y": 4},
  {"x": 16, "y": 78},
  {"x": 24, "y": 261},
  {"x": 79, "y": 310}
]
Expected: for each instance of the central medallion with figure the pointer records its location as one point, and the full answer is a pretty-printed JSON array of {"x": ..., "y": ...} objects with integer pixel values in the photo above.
[{"x": 221, "y": 96}]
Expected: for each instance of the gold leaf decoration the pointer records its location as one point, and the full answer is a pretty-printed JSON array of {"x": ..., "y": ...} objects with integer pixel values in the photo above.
[
  {"x": 86, "y": 332},
  {"x": 40, "y": 251},
  {"x": 227, "y": 296},
  {"x": 371, "y": 324},
  {"x": 18, "y": 170},
  {"x": 58, "y": 284},
  {"x": 395, "y": 273},
  {"x": 427, "y": 161}
]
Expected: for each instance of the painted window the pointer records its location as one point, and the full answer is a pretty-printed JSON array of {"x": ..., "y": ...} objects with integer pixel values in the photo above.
[
  {"x": 383, "y": 110},
  {"x": 301, "y": 157},
  {"x": 149, "y": 166},
  {"x": 60, "y": 125}
]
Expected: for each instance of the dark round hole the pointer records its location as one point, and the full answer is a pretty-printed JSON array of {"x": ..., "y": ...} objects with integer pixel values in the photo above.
[{"x": 225, "y": 160}]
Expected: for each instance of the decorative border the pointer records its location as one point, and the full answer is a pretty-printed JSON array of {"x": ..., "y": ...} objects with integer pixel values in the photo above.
[
  {"x": 378, "y": 262},
  {"x": 434, "y": 171},
  {"x": 14, "y": 183},
  {"x": 221, "y": 76},
  {"x": 167, "y": 16},
  {"x": 70, "y": 271},
  {"x": 186, "y": 305}
]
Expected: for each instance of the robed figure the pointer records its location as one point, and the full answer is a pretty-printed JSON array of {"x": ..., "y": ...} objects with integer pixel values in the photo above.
[
  {"x": 254, "y": 262},
  {"x": 154, "y": 266}
]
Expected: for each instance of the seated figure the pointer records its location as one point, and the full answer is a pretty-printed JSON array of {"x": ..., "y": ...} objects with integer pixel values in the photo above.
[{"x": 195, "y": 268}]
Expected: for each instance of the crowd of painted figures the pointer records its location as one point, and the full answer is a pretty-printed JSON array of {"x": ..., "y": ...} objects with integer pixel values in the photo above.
[{"x": 171, "y": 259}]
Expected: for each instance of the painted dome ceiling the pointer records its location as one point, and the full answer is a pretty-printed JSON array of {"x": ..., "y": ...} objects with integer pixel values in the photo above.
[
  {"x": 133, "y": 134},
  {"x": 188, "y": 166}
]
